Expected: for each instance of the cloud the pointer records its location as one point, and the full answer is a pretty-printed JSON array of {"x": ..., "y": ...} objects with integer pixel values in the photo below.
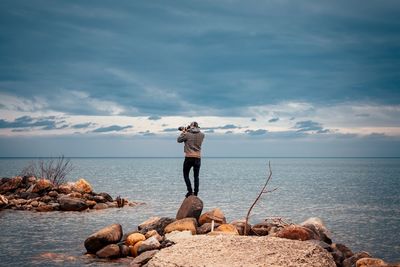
[
  {"x": 170, "y": 130},
  {"x": 147, "y": 133},
  {"x": 273, "y": 120},
  {"x": 256, "y": 132},
  {"x": 362, "y": 115},
  {"x": 154, "y": 118},
  {"x": 82, "y": 125},
  {"x": 310, "y": 126},
  {"x": 253, "y": 119},
  {"x": 29, "y": 122},
  {"x": 112, "y": 128}
]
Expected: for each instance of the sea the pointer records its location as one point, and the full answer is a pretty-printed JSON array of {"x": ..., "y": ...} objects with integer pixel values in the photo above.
[{"x": 358, "y": 199}]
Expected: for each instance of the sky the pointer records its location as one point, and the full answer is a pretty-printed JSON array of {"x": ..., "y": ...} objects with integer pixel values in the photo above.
[{"x": 262, "y": 78}]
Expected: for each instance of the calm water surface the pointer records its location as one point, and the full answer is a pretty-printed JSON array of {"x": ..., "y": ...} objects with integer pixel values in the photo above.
[{"x": 358, "y": 199}]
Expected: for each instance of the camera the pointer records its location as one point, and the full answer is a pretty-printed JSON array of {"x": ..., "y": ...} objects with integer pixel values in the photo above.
[{"x": 182, "y": 128}]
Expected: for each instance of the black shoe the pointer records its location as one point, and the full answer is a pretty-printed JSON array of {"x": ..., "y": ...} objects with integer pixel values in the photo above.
[
  {"x": 195, "y": 193},
  {"x": 189, "y": 194}
]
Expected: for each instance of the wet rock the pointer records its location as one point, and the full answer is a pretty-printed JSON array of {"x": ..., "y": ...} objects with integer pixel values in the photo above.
[
  {"x": 45, "y": 208},
  {"x": 155, "y": 223},
  {"x": 124, "y": 250},
  {"x": 100, "y": 206},
  {"x": 64, "y": 189},
  {"x": 144, "y": 258},
  {"x": 82, "y": 186},
  {"x": 109, "y": 235},
  {"x": 182, "y": 225},
  {"x": 149, "y": 244},
  {"x": 206, "y": 228},
  {"x": 10, "y": 184},
  {"x": 297, "y": 232},
  {"x": 216, "y": 214},
  {"x": 317, "y": 225},
  {"x": 53, "y": 194},
  {"x": 227, "y": 229},
  {"x": 99, "y": 199},
  {"x": 27, "y": 195},
  {"x": 109, "y": 251},
  {"x": 72, "y": 204},
  {"x": 42, "y": 185},
  {"x": 337, "y": 257},
  {"x": 347, "y": 253},
  {"x": 134, "y": 249},
  {"x": 3, "y": 201},
  {"x": 371, "y": 262},
  {"x": 106, "y": 196},
  {"x": 191, "y": 207},
  {"x": 349, "y": 262},
  {"x": 91, "y": 203},
  {"x": 240, "y": 226},
  {"x": 132, "y": 239}
]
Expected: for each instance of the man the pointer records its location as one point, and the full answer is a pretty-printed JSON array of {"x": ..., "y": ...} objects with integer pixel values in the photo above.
[{"x": 193, "y": 138}]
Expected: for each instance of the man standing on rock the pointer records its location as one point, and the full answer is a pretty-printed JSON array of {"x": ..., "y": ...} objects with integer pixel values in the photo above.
[{"x": 193, "y": 138}]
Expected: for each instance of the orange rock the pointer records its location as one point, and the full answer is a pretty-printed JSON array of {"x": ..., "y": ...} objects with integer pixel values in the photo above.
[
  {"x": 228, "y": 229},
  {"x": 82, "y": 186},
  {"x": 182, "y": 225},
  {"x": 297, "y": 232},
  {"x": 42, "y": 184},
  {"x": 132, "y": 239},
  {"x": 370, "y": 262},
  {"x": 134, "y": 249},
  {"x": 216, "y": 214}
]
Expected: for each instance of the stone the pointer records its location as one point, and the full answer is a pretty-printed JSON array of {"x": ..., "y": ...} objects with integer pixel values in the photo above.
[
  {"x": 191, "y": 207},
  {"x": 82, "y": 186},
  {"x": 44, "y": 208},
  {"x": 175, "y": 236},
  {"x": 132, "y": 239},
  {"x": 322, "y": 244},
  {"x": 155, "y": 234},
  {"x": 371, "y": 262},
  {"x": 155, "y": 223},
  {"x": 91, "y": 203},
  {"x": 109, "y": 235},
  {"x": 149, "y": 244},
  {"x": 206, "y": 228},
  {"x": 261, "y": 229},
  {"x": 297, "y": 232},
  {"x": 53, "y": 194},
  {"x": 182, "y": 225},
  {"x": 347, "y": 253},
  {"x": 227, "y": 229},
  {"x": 65, "y": 189},
  {"x": 100, "y": 206},
  {"x": 10, "y": 184},
  {"x": 144, "y": 257},
  {"x": 317, "y": 225},
  {"x": 88, "y": 196},
  {"x": 124, "y": 250},
  {"x": 106, "y": 196},
  {"x": 240, "y": 226},
  {"x": 3, "y": 201},
  {"x": 72, "y": 204},
  {"x": 337, "y": 257},
  {"x": 216, "y": 214},
  {"x": 99, "y": 199},
  {"x": 109, "y": 251},
  {"x": 46, "y": 199},
  {"x": 134, "y": 249},
  {"x": 35, "y": 203},
  {"x": 349, "y": 262},
  {"x": 75, "y": 195},
  {"x": 42, "y": 185}
]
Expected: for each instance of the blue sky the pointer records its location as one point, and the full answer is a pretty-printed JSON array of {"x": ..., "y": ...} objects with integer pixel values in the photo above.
[{"x": 262, "y": 78}]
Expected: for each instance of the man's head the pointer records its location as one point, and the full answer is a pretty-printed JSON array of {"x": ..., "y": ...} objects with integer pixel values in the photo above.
[{"x": 194, "y": 125}]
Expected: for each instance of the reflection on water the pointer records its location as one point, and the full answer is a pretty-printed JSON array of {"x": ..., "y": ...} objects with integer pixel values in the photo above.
[{"x": 358, "y": 199}]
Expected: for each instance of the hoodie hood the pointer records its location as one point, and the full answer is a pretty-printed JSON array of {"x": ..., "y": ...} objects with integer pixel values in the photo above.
[{"x": 194, "y": 130}]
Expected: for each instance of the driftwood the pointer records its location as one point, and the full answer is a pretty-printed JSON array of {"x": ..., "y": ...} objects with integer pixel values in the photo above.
[{"x": 263, "y": 191}]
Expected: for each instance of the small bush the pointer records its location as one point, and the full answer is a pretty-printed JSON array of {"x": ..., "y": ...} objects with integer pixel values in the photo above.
[{"x": 54, "y": 169}]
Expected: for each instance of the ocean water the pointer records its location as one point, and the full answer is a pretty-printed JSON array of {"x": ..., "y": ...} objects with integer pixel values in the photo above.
[{"x": 357, "y": 198}]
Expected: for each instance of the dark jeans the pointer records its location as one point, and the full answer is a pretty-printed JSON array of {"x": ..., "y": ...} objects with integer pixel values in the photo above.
[{"x": 187, "y": 165}]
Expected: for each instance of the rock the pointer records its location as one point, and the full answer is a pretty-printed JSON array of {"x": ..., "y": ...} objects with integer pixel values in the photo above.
[
  {"x": 44, "y": 208},
  {"x": 239, "y": 224},
  {"x": 349, "y": 262},
  {"x": 132, "y": 239},
  {"x": 182, "y": 225},
  {"x": 216, "y": 214},
  {"x": 297, "y": 232},
  {"x": 46, "y": 199},
  {"x": 149, "y": 244},
  {"x": 42, "y": 185},
  {"x": 3, "y": 201},
  {"x": 337, "y": 257},
  {"x": 27, "y": 195},
  {"x": 155, "y": 223},
  {"x": 106, "y": 196},
  {"x": 91, "y": 203},
  {"x": 109, "y": 251},
  {"x": 124, "y": 250},
  {"x": 35, "y": 203},
  {"x": 72, "y": 204},
  {"x": 347, "y": 253},
  {"x": 261, "y": 229},
  {"x": 134, "y": 249},
  {"x": 227, "y": 229},
  {"x": 99, "y": 199},
  {"x": 230, "y": 250},
  {"x": 88, "y": 196},
  {"x": 370, "y": 262},
  {"x": 322, "y": 244},
  {"x": 53, "y": 194},
  {"x": 109, "y": 235},
  {"x": 75, "y": 195},
  {"x": 191, "y": 207},
  {"x": 144, "y": 257},
  {"x": 175, "y": 236},
  {"x": 65, "y": 189},
  {"x": 206, "y": 228},
  {"x": 155, "y": 234},
  {"x": 100, "y": 206},
  {"x": 82, "y": 186},
  {"x": 10, "y": 184},
  {"x": 317, "y": 225}
]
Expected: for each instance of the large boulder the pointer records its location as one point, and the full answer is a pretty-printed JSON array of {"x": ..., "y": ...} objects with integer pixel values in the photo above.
[
  {"x": 182, "y": 225},
  {"x": 215, "y": 215},
  {"x": 82, "y": 186},
  {"x": 317, "y": 225},
  {"x": 191, "y": 207},
  {"x": 10, "y": 184},
  {"x": 72, "y": 204},
  {"x": 109, "y": 251},
  {"x": 109, "y": 235},
  {"x": 297, "y": 232},
  {"x": 42, "y": 185},
  {"x": 155, "y": 223}
]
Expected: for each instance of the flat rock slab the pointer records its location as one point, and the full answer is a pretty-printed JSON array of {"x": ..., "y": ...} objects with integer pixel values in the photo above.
[{"x": 233, "y": 251}]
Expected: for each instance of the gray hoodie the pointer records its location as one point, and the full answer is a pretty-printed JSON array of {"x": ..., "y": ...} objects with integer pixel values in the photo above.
[{"x": 193, "y": 139}]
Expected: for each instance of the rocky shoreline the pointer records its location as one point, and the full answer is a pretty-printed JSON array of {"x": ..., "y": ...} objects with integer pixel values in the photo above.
[
  {"x": 41, "y": 195},
  {"x": 199, "y": 239}
]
